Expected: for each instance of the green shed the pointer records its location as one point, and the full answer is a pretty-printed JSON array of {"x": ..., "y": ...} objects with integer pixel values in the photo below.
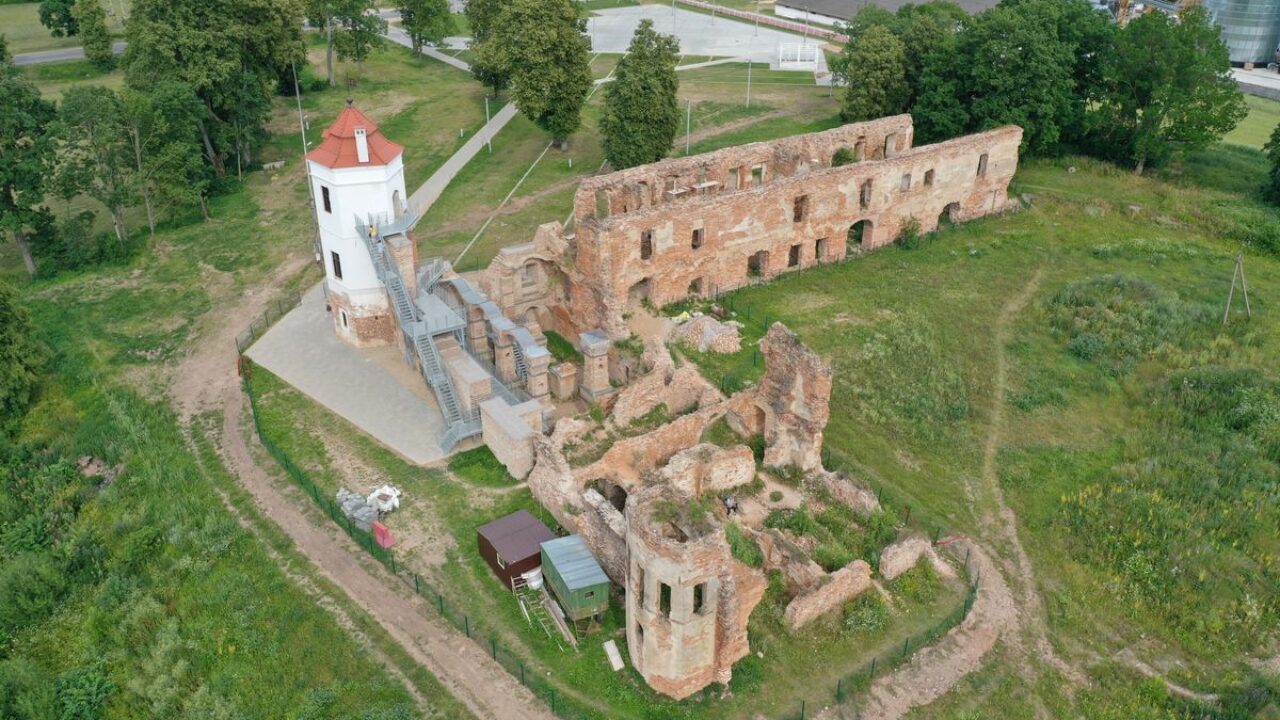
[{"x": 575, "y": 577}]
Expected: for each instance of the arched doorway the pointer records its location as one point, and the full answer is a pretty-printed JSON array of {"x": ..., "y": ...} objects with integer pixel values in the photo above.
[
  {"x": 860, "y": 235},
  {"x": 949, "y": 215},
  {"x": 758, "y": 264},
  {"x": 639, "y": 293}
]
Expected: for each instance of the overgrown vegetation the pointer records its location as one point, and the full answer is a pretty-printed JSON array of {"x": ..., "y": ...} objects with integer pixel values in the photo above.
[
  {"x": 478, "y": 466},
  {"x": 561, "y": 349}
]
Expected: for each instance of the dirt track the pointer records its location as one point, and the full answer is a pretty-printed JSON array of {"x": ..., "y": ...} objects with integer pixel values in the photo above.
[{"x": 206, "y": 380}]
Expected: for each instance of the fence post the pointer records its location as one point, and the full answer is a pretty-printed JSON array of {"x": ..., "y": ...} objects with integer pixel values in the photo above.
[
  {"x": 493, "y": 645},
  {"x": 839, "y": 690},
  {"x": 393, "y": 565},
  {"x": 466, "y": 623},
  {"x": 905, "y": 643},
  {"x": 801, "y": 710},
  {"x": 872, "y": 672},
  {"x": 553, "y": 700},
  {"x": 521, "y": 673},
  {"x": 440, "y": 602},
  {"x": 416, "y": 589}
]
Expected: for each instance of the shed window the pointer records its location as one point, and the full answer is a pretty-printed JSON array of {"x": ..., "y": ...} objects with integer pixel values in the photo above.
[
  {"x": 928, "y": 178},
  {"x": 664, "y": 600},
  {"x": 324, "y": 197},
  {"x": 696, "y": 242},
  {"x": 501, "y": 563},
  {"x": 799, "y": 208},
  {"x": 588, "y": 594},
  {"x": 905, "y": 185},
  {"x": 982, "y": 165},
  {"x": 337, "y": 264},
  {"x": 646, "y": 244}
]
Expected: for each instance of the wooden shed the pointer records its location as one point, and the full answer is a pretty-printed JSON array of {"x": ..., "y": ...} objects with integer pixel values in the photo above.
[
  {"x": 575, "y": 578},
  {"x": 512, "y": 544}
]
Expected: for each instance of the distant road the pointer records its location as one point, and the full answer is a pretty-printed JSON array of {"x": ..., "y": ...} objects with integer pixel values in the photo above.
[{"x": 48, "y": 56}]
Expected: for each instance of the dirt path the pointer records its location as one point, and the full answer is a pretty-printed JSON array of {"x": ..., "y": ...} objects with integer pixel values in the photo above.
[
  {"x": 206, "y": 380},
  {"x": 933, "y": 671},
  {"x": 999, "y": 524}
]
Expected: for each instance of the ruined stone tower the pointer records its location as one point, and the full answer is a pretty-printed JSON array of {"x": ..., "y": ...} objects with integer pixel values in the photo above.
[{"x": 687, "y": 598}]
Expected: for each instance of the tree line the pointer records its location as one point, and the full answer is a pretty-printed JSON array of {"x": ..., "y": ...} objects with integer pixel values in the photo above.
[{"x": 1075, "y": 81}]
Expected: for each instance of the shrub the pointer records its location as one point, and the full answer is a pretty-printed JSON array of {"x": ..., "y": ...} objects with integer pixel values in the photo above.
[
  {"x": 561, "y": 349},
  {"x": 776, "y": 496},
  {"x": 843, "y": 156},
  {"x": 919, "y": 585},
  {"x": 910, "y": 237}
]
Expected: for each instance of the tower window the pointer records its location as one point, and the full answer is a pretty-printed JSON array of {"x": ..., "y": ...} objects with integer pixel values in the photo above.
[
  {"x": 337, "y": 264},
  {"x": 697, "y": 238},
  {"x": 324, "y": 197},
  {"x": 646, "y": 244},
  {"x": 905, "y": 184},
  {"x": 799, "y": 208},
  {"x": 982, "y": 165},
  {"x": 928, "y": 178},
  {"x": 864, "y": 197}
]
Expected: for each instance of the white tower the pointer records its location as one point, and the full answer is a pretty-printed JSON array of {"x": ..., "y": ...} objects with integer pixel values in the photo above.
[{"x": 356, "y": 175}]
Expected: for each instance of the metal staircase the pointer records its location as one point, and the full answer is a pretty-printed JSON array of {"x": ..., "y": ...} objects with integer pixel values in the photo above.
[{"x": 419, "y": 329}]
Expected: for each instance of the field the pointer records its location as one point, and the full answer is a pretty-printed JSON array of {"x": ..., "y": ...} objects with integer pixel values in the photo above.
[
  {"x": 1133, "y": 438},
  {"x": 1255, "y": 129},
  {"x": 20, "y": 25},
  {"x": 199, "y": 606},
  {"x": 1121, "y": 378}
]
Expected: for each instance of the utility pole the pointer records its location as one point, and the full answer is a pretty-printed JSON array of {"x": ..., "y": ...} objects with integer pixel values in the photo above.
[
  {"x": 488, "y": 133},
  {"x": 1244, "y": 285},
  {"x": 688, "y": 125}
]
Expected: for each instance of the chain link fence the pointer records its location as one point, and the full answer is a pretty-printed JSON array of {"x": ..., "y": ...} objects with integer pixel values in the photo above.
[{"x": 276, "y": 310}]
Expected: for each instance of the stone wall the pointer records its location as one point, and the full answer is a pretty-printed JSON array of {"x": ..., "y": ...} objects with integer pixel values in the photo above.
[
  {"x": 794, "y": 397},
  {"x": 364, "y": 325},
  {"x": 842, "y": 586},
  {"x": 707, "y": 223}
]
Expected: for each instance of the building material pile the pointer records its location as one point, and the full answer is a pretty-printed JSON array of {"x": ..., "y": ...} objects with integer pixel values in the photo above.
[{"x": 357, "y": 509}]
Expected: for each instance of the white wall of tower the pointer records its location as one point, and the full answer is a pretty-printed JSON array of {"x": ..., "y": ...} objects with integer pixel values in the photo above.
[{"x": 354, "y": 193}]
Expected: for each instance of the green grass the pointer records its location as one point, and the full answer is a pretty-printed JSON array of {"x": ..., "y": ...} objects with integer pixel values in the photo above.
[
  {"x": 478, "y": 466},
  {"x": 20, "y": 25},
  {"x": 1122, "y": 377},
  {"x": 468, "y": 587},
  {"x": 561, "y": 349},
  {"x": 1255, "y": 129}
]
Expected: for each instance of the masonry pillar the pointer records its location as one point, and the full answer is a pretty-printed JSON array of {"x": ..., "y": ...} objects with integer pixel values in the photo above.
[
  {"x": 536, "y": 384},
  {"x": 504, "y": 358},
  {"x": 477, "y": 333},
  {"x": 595, "y": 365},
  {"x": 403, "y": 253}
]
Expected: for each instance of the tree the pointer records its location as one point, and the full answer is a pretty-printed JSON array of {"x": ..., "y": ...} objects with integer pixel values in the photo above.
[
  {"x": 1272, "y": 189},
  {"x": 542, "y": 47},
  {"x": 26, "y": 150},
  {"x": 321, "y": 13},
  {"x": 164, "y": 139},
  {"x": 57, "y": 15},
  {"x": 1015, "y": 69},
  {"x": 1183, "y": 101},
  {"x": 880, "y": 86},
  {"x": 231, "y": 53},
  {"x": 93, "y": 156},
  {"x": 94, "y": 35},
  {"x": 482, "y": 17},
  {"x": 360, "y": 31},
  {"x": 426, "y": 21},
  {"x": 641, "y": 114},
  {"x": 21, "y": 355}
]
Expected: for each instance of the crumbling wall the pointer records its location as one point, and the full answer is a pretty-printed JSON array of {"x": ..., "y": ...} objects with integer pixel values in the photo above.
[
  {"x": 527, "y": 283},
  {"x": 628, "y": 458},
  {"x": 842, "y": 586},
  {"x": 708, "y": 223},
  {"x": 709, "y": 468},
  {"x": 679, "y": 389},
  {"x": 605, "y": 531},
  {"x": 903, "y": 555},
  {"x": 794, "y": 395}
]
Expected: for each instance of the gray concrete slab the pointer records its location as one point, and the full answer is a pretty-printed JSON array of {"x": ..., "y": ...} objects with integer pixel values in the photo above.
[
  {"x": 699, "y": 34},
  {"x": 372, "y": 389}
]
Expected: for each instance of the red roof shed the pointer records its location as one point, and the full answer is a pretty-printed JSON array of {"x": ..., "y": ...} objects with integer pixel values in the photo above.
[{"x": 512, "y": 545}]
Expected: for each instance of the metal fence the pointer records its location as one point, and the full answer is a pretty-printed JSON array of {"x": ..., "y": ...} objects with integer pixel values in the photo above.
[{"x": 259, "y": 326}]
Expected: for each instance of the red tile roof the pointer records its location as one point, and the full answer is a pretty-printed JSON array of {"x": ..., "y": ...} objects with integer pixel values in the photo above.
[{"x": 338, "y": 150}]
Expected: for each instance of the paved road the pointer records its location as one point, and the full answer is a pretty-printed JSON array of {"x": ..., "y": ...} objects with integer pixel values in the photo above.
[{"x": 71, "y": 53}]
